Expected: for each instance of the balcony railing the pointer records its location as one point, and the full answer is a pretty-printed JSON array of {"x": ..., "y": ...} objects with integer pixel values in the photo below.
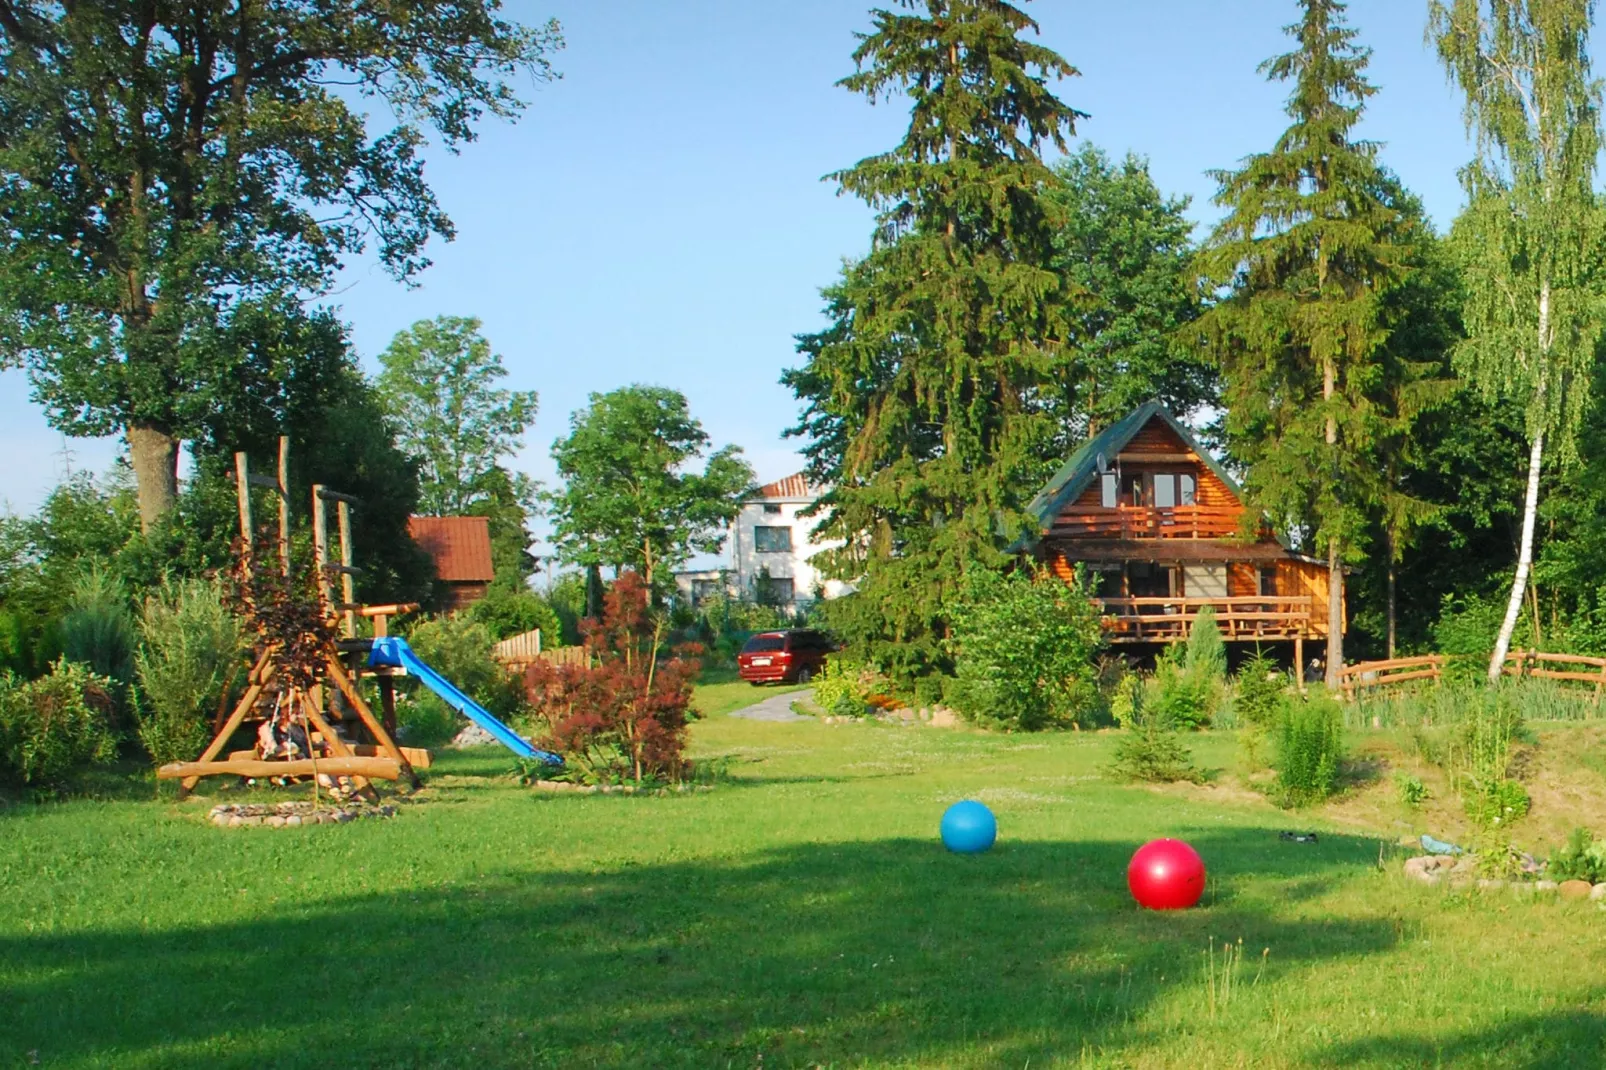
[
  {"x": 1166, "y": 620},
  {"x": 1149, "y": 522}
]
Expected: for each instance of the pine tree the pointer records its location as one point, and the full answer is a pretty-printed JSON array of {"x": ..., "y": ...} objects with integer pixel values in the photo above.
[
  {"x": 1313, "y": 238},
  {"x": 923, "y": 397},
  {"x": 1532, "y": 227}
]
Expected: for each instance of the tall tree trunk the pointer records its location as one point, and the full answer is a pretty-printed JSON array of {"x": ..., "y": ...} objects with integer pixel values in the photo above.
[
  {"x": 154, "y": 454},
  {"x": 1530, "y": 501},
  {"x": 1525, "y": 549},
  {"x": 1335, "y": 571},
  {"x": 1388, "y": 534},
  {"x": 1335, "y": 614}
]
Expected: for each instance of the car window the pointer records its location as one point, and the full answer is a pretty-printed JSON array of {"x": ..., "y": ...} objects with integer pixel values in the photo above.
[{"x": 764, "y": 644}]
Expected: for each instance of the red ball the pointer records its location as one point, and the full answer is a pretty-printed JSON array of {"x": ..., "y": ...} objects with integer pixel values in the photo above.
[{"x": 1166, "y": 875}]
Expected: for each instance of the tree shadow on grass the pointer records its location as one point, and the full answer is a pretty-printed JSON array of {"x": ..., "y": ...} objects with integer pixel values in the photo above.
[
  {"x": 1533, "y": 1042},
  {"x": 834, "y": 953}
]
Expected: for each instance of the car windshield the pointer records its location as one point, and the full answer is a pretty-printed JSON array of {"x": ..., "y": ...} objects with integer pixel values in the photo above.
[{"x": 764, "y": 644}]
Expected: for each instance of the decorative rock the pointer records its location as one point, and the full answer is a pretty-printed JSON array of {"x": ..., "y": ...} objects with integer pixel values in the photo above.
[
  {"x": 1440, "y": 861},
  {"x": 220, "y": 820},
  {"x": 1490, "y": 885},
  {"x": 1422, "y": 869},
  {"x": 294, "y": 820},
  {"x": 1545, "y": 886},
  {"x": 276, "y": 821},
  {"x": 236, "y": 821},
  {"x": 1598, "y": 893},
  {"x": 943, "y": 717},
  {"x": 1576, "y": 889}
]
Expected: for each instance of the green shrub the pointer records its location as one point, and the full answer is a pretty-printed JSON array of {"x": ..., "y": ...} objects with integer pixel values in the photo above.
[
  {"x": 98, "y": 629},
  {"x": 1479, "y": 758},
  {"x": 1186, "y": 699},
  {"x": 459, "y": 648},
  {"x": 189, "y": 655},
  {"x": 1259, "y": 703},
  {"x": 1205, "y": 652},
  {"x": 54, "y": 725},
  {"x": 1310, "y": 746},
  {"x": 1023, "y": 646},
  {"x": 844, "y": 687},
  {"x": 506, "y": 612},
  {"x": 1410, "y": 789},
  {"x": 425, "y": 721},
  {"x": 1583, "y": 858}
]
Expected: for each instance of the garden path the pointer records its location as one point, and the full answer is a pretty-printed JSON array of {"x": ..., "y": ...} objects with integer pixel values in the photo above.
[{"x": 776, "y": 707}]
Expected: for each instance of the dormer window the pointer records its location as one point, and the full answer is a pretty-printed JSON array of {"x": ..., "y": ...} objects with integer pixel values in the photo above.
[{"x": 1172, "y": 489}]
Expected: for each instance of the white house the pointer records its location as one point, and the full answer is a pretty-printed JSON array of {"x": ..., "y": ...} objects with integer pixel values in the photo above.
[{"x": 770, "y": 547}]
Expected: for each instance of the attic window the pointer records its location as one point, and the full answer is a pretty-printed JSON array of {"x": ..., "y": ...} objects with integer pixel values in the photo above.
[
  {"x": 1189, "y": 495},
  {"x": 1108, "y": 490},
  {"x": 1165, "y": 490}
]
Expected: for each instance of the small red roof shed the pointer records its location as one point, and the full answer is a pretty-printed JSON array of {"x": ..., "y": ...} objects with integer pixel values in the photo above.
[{"x": 461, "y": 549}]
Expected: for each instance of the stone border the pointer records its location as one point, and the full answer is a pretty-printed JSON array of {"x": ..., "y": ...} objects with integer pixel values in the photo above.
[
  {"x": 1457, "y": 872},
  {"x": 563, "y": 787},
  {"x": 292, "y": 814}
]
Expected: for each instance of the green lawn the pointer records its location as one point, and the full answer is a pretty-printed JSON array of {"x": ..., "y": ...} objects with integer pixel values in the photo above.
[
  {"x": 801, "y": 915},
  {"x": 721, "y": 692}
]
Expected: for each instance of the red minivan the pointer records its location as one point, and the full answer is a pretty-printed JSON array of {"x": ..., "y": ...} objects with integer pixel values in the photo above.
[{"x": 792, "y": 656}]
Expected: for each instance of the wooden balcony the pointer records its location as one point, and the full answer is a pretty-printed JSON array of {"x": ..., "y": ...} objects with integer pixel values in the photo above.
[
  {"x": 1167, "y": 620},
  {"x": 1149, "y": 522}
]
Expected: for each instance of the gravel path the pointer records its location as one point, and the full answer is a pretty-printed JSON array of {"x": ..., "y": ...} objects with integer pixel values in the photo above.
[{"x": 776, "y": 708}]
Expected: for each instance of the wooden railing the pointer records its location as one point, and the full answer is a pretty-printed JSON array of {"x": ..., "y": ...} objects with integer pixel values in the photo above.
[
  {"x": 1149, "y": 522},
  {"x": 1531, "y": 663},
  {"x": 1163, "y": 620},
  {"x": 1366, "y": 675}
]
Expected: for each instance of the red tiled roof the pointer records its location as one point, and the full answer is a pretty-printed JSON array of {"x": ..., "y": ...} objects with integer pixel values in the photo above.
[
  {"x": 793, "y": 486},
  {"x": 460, "y": 545}
]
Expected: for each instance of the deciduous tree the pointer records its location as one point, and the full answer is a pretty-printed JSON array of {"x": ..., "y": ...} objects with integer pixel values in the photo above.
[
  {"x": 1531, "y": 233},
  {"x": 167, "y": 170},
  {"x": 629, "y": 500}
]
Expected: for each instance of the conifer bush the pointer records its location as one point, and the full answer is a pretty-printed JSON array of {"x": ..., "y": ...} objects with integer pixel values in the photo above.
[{"x": 1150, "y": 750}]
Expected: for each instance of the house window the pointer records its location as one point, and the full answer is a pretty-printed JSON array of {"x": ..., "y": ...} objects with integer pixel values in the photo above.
[
  {"x": 776, "y": 590},
  {"x": 1165, "y": 490},
  {"x": 704, "y": 589},
  {"x": 1188, "y": 491},
  {"x": 772, "y": 540},
  {"x": 1204, "y": 581},
  {"x": 1108, "y": 492},
  {"x": 772, "y": 510},
  {"x": 1268, "y": 582}
]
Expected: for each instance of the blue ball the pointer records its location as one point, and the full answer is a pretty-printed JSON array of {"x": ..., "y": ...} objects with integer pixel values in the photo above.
[{"x": 968, "y": 828}]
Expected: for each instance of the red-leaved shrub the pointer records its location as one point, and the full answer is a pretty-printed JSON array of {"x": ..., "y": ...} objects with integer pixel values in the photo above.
[{"x": 623, "y": 715}]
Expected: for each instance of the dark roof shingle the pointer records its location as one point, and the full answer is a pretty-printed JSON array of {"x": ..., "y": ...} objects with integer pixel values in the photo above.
[{"x": 459, "y": 545}]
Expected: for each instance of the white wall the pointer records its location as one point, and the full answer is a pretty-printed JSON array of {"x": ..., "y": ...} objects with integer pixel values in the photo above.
[{"x": 746, "y": 561}]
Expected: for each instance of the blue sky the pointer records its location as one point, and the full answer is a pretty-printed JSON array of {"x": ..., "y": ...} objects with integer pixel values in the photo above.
[{"x": 658, "y": 216}]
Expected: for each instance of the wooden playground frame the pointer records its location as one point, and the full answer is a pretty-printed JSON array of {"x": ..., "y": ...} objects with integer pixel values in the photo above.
[{"x": 383, "y": 759}]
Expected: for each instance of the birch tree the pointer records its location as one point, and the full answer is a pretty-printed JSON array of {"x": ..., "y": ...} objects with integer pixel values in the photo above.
[{"x": 1529, "y": 235}]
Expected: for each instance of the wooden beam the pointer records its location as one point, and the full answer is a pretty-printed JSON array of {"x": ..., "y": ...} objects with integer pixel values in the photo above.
[
  {"x": 335, "y": 496},
  {"x": 263, "y": 672},
  {"x": 284, "y": 505},
  {"x": 349, "y": 688},
  {"x": 348, "y": 589},
  {"x": 417, "y": 757},
  {"x": 372, "y": 768},
  {"x": 320, "y": 547}
]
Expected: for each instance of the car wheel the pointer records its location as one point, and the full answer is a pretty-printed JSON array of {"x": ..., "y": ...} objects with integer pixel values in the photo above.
[{"x": 805, "y": 675}]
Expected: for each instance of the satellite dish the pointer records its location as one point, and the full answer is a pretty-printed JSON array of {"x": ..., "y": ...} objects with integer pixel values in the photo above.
[{"x": 1102, "y": 462}]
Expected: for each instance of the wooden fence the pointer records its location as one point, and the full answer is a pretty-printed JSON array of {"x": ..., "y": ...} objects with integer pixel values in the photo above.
[
  {"x": 1366, "y": 675},
  {"x": 1533, "y": 663},
  {"x": 520, "y": 650}
]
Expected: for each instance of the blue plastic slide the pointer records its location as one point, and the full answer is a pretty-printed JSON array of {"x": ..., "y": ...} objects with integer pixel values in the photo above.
[{"x": 394, "y": 652}]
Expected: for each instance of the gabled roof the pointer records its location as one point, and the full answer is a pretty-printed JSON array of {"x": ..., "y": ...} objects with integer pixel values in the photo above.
[
  {"x": 459, "y": 545},
  {"x": 794, "y": 486},
  {"x": 1078, "y": 473}
]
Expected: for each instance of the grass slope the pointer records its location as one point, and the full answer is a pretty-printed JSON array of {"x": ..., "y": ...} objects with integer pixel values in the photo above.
[{"x": 801, "y": 915}]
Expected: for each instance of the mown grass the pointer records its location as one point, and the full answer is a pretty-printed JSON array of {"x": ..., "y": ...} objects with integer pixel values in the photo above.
[
  {"x": 721, "y": 692},
  {"x": 801, "y": 914}
]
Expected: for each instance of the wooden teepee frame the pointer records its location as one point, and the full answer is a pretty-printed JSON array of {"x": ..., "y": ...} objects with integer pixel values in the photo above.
[{"x": 383, "y": 760}]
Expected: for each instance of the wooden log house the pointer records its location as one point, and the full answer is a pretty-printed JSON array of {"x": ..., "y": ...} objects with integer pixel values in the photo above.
[{"x": 1162, "y": 530}]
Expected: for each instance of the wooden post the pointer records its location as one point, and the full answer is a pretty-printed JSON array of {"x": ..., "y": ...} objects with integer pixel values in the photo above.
[
  {"x": 1299, "y": 661},
  {"x": 242, "y": 491},
  {"x": 387, "y": 703},
  {"x": 348, "y": 591},
  {"x": 320, "y": 547},
  {"x": 260, "y": 675},
  {"x": 284, "y": 505}
]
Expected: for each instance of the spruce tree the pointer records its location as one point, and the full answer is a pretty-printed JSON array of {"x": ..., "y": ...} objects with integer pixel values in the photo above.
[
  {"x": 922, "y": 399},
  {"x": 1315, "y": 234},
  {"x": 1531, "y": 233}
]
